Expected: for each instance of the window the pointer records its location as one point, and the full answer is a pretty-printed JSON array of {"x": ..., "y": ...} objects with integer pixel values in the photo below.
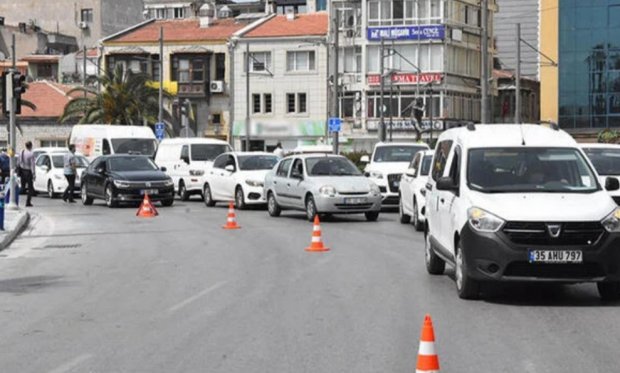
[
  {"x": 297, "y": 171},
  {"x": 185, "y": 152},
  {"x": 155, "y": 68},
  {"x": 256, "y": 107},
  {"x": 290, "y": 102},
  {"x": 301, "y": 102},
  {"x": 296, "y": 103},
  {"x": 264, "y": 106},
  {"x": 284, "y": 167},
  {"x": 137, "y": 64},
  {"x": 455, "y": 168},
  {"x": 259, "y": 61},
  {"x": 54, "y": 143},
  {"x": 300, "y": 61},
  {"x": 86, "y": 15},
  {"x": 179, "y": 12},
  {"x": 186, "y": 69},
  {"x": 220, "y": 161},
  {"x": 43, "y": 160},
  {"x": 220, "y": 66},
  {"x": 441, "y": 157},
  {"x": 217, "y": 119},
  {"x": 160, "y": 13},
  {"x": 106, "y": 147},
  {"x": 268, "y": 103}
]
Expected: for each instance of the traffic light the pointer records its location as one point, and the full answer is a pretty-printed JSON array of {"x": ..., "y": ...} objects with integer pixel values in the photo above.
[{"x": 19, "y": 87}]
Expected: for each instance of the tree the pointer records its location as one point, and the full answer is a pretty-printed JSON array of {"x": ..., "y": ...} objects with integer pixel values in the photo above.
[{"x": 126, "y": 98}]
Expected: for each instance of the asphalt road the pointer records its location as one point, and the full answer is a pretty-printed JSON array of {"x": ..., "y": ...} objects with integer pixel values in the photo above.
[{"x": 89, "y": 289}]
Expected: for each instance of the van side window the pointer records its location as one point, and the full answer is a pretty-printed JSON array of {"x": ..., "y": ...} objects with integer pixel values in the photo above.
[
  {"x": 415, "y": 164},
  {"x": 106, "y": 147},
  {"x": 455, "y": 167},
  {"x": 220, "y": 161},
  {"x": 284, "y": 167},
  {"x": 185, "y": 153},
  {"x": 441, "y": 157}
]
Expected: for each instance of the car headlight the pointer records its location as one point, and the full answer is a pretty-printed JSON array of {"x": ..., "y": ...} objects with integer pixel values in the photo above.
[
  {"x": 255, "y": 183},
  {"x": 168, "y": 183},
  {"x": 376, "y": 174},
  {"x": 196, "y": 172},
  {"x": 121, "y": 184},
  {"x": 58, "y": 177},
  {"x": 483, "y": 221},
  {"x": 328, "y": 191},
  {"x": 374, "y": 189},
  {"x": 612, "y": 221}
]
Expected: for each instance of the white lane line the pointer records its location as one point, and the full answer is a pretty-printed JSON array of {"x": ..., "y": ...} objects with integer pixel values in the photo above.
[
  {"x": 69, "y": 365},
  {"x": 194, "y": 297}
]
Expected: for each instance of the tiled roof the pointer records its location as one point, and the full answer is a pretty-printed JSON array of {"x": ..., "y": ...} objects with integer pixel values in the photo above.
[
  {"x": 50, "y": 99},
  {"x": 181, "y": 30},
  {"x": 312, "y": 24},
  {"x": 42, "y": 58},
  {"x": 92, "y": 52}
]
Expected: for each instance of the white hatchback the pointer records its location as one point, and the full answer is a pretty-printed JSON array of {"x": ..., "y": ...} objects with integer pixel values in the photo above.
[
  {"x": 413, "y": 190},
  {"x": 49, "y": 172}
]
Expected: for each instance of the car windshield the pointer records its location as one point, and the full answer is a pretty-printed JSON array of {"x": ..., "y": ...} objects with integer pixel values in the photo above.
[
  {"x": 134, "y": 146},
  {"x": 531, "y": 170},
  {"x": 331, "y": 166},
  {"x": 257, "y": 162},
  {"x": 605, "y": 160},
  {"x": 426, "y": 165},
  {"x": 396, "y": 153},
  {"x": 132, "y": 164},
  {"x": 208, "y": 152},
  {"x": 59, "y": 161}
]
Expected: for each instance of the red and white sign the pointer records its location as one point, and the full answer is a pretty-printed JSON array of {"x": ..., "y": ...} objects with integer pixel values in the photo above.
[{"x": 407, "y": 78}]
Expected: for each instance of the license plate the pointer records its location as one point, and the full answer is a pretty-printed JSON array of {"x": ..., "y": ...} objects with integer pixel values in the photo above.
[
  {"x": 354, "y": 201},
  {"x": 555, "y": 256},
  {"x": 148, "y": 191}
]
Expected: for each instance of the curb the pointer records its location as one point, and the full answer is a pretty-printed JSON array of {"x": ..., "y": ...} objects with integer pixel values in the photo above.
[{"x": 22, "y": 223}]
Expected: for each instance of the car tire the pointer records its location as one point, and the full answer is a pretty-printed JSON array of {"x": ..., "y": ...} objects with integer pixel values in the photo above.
[
  {"x": 371, "y": 215},
  {"x": 109, "y": 196},
  {"x": 86, "y": 200},
  {"x": 417, "y": 224},
  {"x": 403, "y": 218},
  {"x": 310, "y": 208},
  {"x": 272, "y": 205},
  {"x": 609, "y": 291},
  {"x": 208, "y": 198},
  {"x": 239, "y": 199},
  {"x": 466, "y": 287},
  {"x": 183, "y": 193},
  {"x": 50, "y": 190},
  {"x": 434, "y": 264},
  {"x": 167, "y": 202}
]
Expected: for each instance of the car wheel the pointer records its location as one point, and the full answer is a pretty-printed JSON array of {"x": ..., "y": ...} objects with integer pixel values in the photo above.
[
  {"x": 109, "y": 196},
  {"x": 206, "y": 192},
  {"x": 50, "y": 190},
  {"x": 609, "y": 291},
  {"x": 434, "y": 264},
  {"x": 86, "y": 200},
  {"x": 372, "y": 215},
  {"x": 239, "y": 199},
  {"x": 272, "y": 206},
  {"x": 416, "y": 217},
  {"x": 183, "y": 194},
  {"x": 467, "y": 287},
  {"x": 167, "y": 202},
  {"x": 310, "y": 208},
  {"x": 404, "y": 218}
]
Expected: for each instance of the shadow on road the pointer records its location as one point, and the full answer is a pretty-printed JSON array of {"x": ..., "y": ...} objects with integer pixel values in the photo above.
[{"x": 25, "y": 285}]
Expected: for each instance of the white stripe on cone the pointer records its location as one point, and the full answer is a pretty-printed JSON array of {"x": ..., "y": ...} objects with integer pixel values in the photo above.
[
  {"x": 427, "y": 348},
  {"x": 316, "y": 239},
  {"x": 316, "y": 228}
]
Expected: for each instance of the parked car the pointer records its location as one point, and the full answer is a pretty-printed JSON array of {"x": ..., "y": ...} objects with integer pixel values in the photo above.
[
  {"x": 239, "y": 177},
  {"x": 523, "y": 206},
  {"x": 388, "y": 163},
  {"x": 413, "y": 190},
  {"x": 321, "y": 184},
  {"x": 187, "y": 159},
  {"x": 38, "y": 151},
  {"x": 606, "y": 161},
  {"x": 94, "y": 140},
  {"x": 49, "y": 172},
  {"x": 125, "y": 178}
]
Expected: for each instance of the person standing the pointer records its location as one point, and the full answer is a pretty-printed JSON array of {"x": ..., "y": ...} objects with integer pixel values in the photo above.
[
  {"x": 70, "y": 164},
  {"x": 278, "y": 151},
  {"x": 5, "y": 166},
  {"x": 26, "y": 163}
]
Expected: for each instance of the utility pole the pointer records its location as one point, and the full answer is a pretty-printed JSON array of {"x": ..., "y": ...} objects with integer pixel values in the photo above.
[
  {"x": 518, "y": 78},
  {"x": 12, "y": 136},
  {"x": 84, "y": 68},
  {"x": 430, "y": 116},
  {"x": 247, "y": 97},
  {"x": 484, "y": 76},
  {"x": 336, "y": 73},
  {"x": 231, "y": 91},
  {"x": 382, "y": 87},
  {"x": 160, "y": 115}
]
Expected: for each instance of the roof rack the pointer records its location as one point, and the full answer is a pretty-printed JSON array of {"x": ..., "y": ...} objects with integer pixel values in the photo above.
[
  {"x": 471, "y": 127},
  {"x": 550, "y": 124}
]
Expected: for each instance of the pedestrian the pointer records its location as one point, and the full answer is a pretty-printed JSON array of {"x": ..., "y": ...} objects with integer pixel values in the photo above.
[
  {"x": 70, "y": 164},
  {"x": 5, "y": 166},
  {"x": 278, "y": 151},
  {"x": 26, "y": 164}
]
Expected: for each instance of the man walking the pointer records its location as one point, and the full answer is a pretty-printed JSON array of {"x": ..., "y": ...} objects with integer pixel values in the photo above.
[
  {"x": 70, "y": 164},
  {"x": 26, "y": 163}
]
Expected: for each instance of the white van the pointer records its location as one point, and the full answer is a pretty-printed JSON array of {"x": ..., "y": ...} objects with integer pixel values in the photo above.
[
  {"x": 94, "y": 140},
  {"x": 520, "y": 203},
  {"x": 187, "y": 159}
]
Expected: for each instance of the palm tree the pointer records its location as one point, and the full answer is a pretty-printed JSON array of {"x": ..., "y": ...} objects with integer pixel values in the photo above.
[{"x": 125, "y": 98}]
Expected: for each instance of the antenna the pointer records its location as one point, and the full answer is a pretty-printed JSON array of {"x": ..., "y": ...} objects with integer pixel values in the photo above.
[{"x": 522, "y": 134}]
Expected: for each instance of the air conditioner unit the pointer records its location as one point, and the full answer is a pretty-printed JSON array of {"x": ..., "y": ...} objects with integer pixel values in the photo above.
[
  {"x": 83, "y": 25},
  {"x": 216, "y": 86}
]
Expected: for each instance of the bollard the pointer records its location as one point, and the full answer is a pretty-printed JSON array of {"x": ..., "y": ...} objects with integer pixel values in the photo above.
[
  {"x": 7, "y": 194},
  {"x": 2, "y": 212}
]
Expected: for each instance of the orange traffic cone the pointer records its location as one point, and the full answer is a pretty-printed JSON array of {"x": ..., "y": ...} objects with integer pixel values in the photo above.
[
  {"x": 147, "y": 210},
  {"x": 428, "y": 361},
  {"x": 317, "y": 242},
  {"x": 231, "y": 221}
]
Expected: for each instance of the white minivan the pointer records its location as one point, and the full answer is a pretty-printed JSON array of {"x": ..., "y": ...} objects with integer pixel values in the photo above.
[
  {"x": 94, "y": 140},
  {"x": 520, "y": 203},
  {"x": 185, "y": 160}
]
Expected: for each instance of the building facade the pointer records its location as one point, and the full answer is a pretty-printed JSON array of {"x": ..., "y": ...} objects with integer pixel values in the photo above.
[{"x": 511, "y": 12}]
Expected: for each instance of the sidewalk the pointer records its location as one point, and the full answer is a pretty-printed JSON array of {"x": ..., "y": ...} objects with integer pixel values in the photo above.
[{"x": 14, "y": 224}]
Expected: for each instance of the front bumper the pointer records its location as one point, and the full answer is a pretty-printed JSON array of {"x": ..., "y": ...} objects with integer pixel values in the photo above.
[
  {"x": 388, "y": 197},
  {"x": 254, "y": 195},
  {"x": 135, "y": 195},
  {"x": 343, "y": 205},
  {"x": 492, "y": 256}
]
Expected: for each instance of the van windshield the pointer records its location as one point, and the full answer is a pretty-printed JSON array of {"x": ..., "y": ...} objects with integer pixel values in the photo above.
[
  {"x": 396, "y": 153},
  {"x": 530, "y": 170},
  {"x": 208, "y": 152},
  {"x": 134, "y": 146},
  {"x": 605, "y": 160}
]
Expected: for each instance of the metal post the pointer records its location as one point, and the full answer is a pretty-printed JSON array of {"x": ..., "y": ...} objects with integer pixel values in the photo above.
[
  {"x": 231, "y": 91},
  {"x": 430, "y": 117},
  {"x": 382, "y": 86},
  {"x": 160, "y": 115},
  {"x": 391, "y": 94},
  {"x": 484, "y": 76},
  {"x": 518, "y": 78},
  {"x": 84, "y": 68},
  {"x": 247, "y": 97},
  {"x": 12, "y": 135},
  {"x": 336, "y": 70}
]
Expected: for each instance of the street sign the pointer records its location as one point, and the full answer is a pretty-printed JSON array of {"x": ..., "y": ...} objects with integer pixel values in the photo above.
[
  {"x": 334, "y": 124},
  {"x": 160, "y": 131}
]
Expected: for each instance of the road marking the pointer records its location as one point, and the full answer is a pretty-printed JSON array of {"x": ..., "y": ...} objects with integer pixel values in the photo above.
[
  {"x": 195, "y": 297},
  {"x": 69, "y": 365}
]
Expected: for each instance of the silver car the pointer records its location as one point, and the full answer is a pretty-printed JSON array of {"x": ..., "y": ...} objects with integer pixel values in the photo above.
[{"x": 321, "y": 184}]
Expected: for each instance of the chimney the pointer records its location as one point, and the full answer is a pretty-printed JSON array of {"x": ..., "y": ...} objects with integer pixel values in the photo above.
[
  {"x": 269, "y": 7},
  {"x": 290, "y": 14},
  {"x": 207, "y": 14}
]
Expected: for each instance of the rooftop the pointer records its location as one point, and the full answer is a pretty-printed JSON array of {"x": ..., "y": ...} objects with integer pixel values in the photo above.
[
  {"x": 42, "y": 58},
  {"x": 312, "y": 24},
  {"x": 49, "y": 98},
  {"x": 512, "y": 135}
]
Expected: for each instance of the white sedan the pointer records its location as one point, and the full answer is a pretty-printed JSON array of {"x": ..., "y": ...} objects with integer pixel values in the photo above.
[
  {"x": 413, "y": 190},
  {"x": 49, "y": 172},
  {"x": 238, "y": 177}
]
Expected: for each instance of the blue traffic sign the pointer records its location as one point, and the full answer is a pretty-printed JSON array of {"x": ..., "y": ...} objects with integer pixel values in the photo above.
[
  {"x": 334, "y": 124},
  {"x": 160, "y": 131}
]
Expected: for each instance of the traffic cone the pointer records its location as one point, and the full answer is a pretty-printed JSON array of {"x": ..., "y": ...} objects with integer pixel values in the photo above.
[
  {"x": 231, "y": 221},
  {"x": 428, "y": 361},
  {"x": 147, "y": 210},
  {"x": 317, "y": 242}
]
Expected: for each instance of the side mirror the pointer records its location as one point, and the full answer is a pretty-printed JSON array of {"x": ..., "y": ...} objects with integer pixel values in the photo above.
[
  {"x": 100, "y": 170},
  {"x": 365, "y": 159},
  {"x": 163, "y": 169},
  {"x": 410, "y": 172},
  {"x": 612, "y": 184},
  {"x": 230, "y": 168},
  {"x": 447, "y": 184},
  {"x": 297, "y": 175}
]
